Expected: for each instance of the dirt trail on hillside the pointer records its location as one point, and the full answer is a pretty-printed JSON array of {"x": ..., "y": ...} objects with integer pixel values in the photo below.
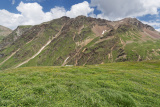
[
  {"x": 65, "y": 61},
  {"x": 9, "y": 57},
  {"x": 40, "y": 49}
]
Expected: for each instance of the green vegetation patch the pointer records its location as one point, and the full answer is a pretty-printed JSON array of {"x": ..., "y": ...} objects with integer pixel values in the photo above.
[{"x": 126, "y": 84}]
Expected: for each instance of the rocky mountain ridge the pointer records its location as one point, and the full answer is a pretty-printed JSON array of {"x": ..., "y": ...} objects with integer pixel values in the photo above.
[{"x": 79, "y": 41}]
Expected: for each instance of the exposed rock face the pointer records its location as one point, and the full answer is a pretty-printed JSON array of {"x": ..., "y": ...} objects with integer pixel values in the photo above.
[{"x": 79, "y": 41}]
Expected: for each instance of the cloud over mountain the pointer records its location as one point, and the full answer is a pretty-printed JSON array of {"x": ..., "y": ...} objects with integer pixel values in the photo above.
[
  {"x": 32, "y": 13},
  {"x": 116, "y": 9}
]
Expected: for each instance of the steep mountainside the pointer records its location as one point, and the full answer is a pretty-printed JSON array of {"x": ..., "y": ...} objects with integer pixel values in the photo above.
[
  {"x": 80, "y": 41},
  {"x": 12, "y": 37},
  {"x": 4, "y": 32}
]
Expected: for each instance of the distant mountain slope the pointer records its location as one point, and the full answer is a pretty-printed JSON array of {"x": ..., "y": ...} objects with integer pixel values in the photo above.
[
  {"x": 4, "y": 32},
  {"x": 12, "y": 37},
  {"x": 80, "y": 41}
]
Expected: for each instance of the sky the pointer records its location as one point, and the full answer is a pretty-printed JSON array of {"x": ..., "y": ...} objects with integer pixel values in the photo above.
[{"x": 31, "y": 12}]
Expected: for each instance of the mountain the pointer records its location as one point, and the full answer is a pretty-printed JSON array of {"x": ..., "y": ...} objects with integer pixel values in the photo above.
[
  {"x": 13, "y": 36},
  {"x": 79, "y": 41},
  {"x": 4, "y": 32}
]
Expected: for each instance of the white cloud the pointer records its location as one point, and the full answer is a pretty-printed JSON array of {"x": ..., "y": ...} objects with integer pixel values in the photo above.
[
  {"x": 152, "y": 23},
  {"x": 117, "y": 9},
  {"x": 102, "y": 16},
  {"x": 158, "y": 29},
  {"x": 32, "y": 13},
  {"x": 9, "y": 19},
  {"x": 57, "y": 12},
  {"x": 80, "y": 9},
  {"x": 155, "y": 24}
]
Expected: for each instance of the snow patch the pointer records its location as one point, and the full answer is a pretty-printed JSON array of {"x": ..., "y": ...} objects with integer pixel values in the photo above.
[{"x": 104, "y": 32}]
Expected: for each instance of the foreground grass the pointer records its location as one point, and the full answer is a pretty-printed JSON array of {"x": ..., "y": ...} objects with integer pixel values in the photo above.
[{"x": 126, "y": 84}]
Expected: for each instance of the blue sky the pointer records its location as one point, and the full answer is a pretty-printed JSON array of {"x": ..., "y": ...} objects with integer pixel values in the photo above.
[
  {"x": 11, "y": 5},
  {"x": 31, "y": 12}
]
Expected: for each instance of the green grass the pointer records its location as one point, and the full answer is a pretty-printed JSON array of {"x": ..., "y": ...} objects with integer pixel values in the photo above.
[
  {"x": 1, "y": 38},
  {"x": 25, "y": 26},
  {"x": 127, "y": 84},
  {"x": 57, "y": 50},
  {"x": 144, "y": 49}
]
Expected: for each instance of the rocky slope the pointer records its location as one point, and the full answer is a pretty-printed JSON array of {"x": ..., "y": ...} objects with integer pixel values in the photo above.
[
  {"x": 4, "y": 32},
  {"x": 12, "y": 37},
  {"x": 80, "y": 41}
]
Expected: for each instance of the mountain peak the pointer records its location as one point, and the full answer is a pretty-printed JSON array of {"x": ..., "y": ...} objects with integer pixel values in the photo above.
[
  {"x": 79, "y": 41},
  {"x": 137, "y": 23}
]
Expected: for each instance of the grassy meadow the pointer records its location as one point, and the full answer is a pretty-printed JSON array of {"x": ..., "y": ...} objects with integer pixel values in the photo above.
[{"x": 125, "y": 84}]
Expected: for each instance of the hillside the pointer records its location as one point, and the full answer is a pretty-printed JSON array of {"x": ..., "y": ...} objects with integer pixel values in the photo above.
[
  {"x": 125, "y": 84},
  {"x": 80, "y": 41},
  {"x": 13, "y": 36},
  {"x": 4, "y": 32}
]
